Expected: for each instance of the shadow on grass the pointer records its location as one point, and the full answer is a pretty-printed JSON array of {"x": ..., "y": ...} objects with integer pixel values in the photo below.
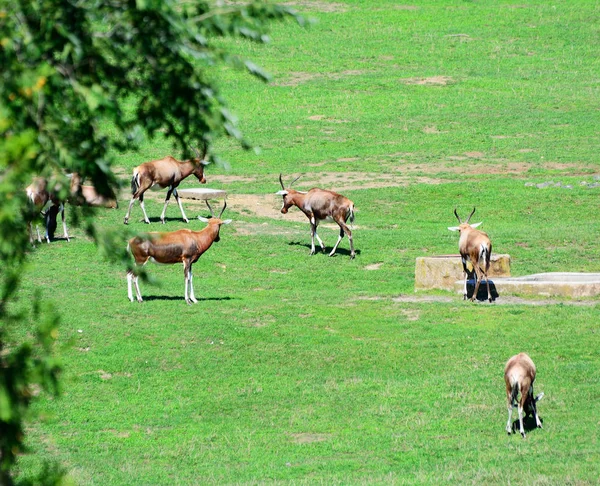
[
  {"x": 199, "y": 299},
  {"x": 482, "y": 291},
  {"x": 528, "y": 424},
  {"x": 339, "y": 251}
]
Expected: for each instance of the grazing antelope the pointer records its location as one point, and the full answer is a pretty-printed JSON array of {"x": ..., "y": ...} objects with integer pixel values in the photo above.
[
  {"x": 182, "y": 246},
  {"x": 88, "y": 195},
  {"x": 319, "y": 205},
  {"x": 40, "y": 196},
  {"x": 167, "y": 172},
  {"x": 519, "y": 375},
  {"x": 476, "y": 247}
]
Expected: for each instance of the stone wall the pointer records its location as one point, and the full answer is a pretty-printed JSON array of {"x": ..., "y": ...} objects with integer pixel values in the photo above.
[{"x": 441, "y": 272}]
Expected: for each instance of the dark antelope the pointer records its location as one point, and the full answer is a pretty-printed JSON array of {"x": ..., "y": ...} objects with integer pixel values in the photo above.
[
  {"x": 167, "y": 172},
  {"x": 39, "y": 195},
  {"x": 475, "y": 247},
  {"x": 320, "y": 205},
  {"x": 182, "y": 246}
]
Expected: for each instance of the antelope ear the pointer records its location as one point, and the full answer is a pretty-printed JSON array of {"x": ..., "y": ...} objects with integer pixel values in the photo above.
[
  {"x": 474, "y": 225},
  {"x": 282, "y": 193},
  {"x": 539, "y": 397},
  {"x": 205, "y": 162},
  {"x": 204, "y": 220},
  {"x": 453, "y": 228},
  {"x": 227, "y": 221}
]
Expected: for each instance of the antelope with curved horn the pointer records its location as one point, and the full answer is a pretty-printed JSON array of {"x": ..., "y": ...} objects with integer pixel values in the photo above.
[
  {"x": 167, "y": 172},
  {"x": 476, "y": 247},
  {"x": 319, "y": 205},
  {"x": 182, "y": 246}
]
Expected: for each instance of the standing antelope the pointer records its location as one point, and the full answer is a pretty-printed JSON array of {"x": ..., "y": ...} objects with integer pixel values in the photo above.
[
  {"x": 167, "y": 172},
  {"x": 182, "y": 246},
  {"x": 476, "y": 247},
  {"x": 40, "y": 196},
  {"x": 519, "y": 375},
  {"x": 319, "y": 205}
]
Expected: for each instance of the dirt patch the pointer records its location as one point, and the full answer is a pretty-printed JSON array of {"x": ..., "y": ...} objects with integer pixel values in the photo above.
[
  {"x": 374, "y": 266},
  {"x": 503, "y": 300},
  {"x": 317, "y": 6},
  {"x": 406, "y": 7},
  {"x": 295, "y": 78},
  {"x": 429, "y": 81},
  {"x": 307, "y": 438},
  {"x": 431, "y": 129}
]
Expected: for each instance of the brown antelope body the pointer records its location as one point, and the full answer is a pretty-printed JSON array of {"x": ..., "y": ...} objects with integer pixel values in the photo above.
[
  {"x": 319, "y": 205},
  {"x": 88, "y": 195},
  {"x": 474, "y": 246},
  {"x": 519, "y": 375},
  {"x": 167, "y": 172},
  {"x": 40, "y": 196},
  {"x": 182, "y": 246}
]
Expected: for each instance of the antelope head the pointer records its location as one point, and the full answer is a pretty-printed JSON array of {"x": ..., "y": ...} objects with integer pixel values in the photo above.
[
  {"x": 215, "y": 220},
  {"x": 288, "y": 194},
  {"x": 200, "y": 162},
  {"x": 463, "y": 225}
]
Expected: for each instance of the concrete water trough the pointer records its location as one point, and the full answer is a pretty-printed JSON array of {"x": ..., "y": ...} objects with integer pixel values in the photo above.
[
  {"x": 441, "y": 272},
  {"x": 555, "y": 284},
  {"x": 202, "y": 193}
]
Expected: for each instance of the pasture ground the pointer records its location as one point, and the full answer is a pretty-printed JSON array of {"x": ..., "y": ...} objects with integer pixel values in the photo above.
[{"x": 313, "y": 370}]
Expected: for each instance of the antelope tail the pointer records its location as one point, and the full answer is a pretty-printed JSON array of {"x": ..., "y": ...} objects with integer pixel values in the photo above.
[
  {"x": 351, "y": 214},
  {"x": 135, "y": 182},
  {"x": 515, "y": 392},
  {"x": 484, "y": 254}
]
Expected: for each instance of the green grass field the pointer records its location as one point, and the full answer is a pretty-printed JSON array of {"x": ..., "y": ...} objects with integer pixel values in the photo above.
[{"x": 314, "y": 370}]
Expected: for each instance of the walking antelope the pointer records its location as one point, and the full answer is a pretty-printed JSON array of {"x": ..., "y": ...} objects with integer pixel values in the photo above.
[
  {"x": 88, "y": 195},
  {"x": 319, "y": 205},
  {"x": 40, "y": 196},
  {"x": 167, "y": 172},
  {"x": 476, "y": 247},
  {"x": 519, "y": 375},
  {"x": 182, "y": 246}
]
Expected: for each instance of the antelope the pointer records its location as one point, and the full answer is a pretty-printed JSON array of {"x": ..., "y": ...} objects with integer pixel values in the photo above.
[
  {"x": 476, "y": 247},
  {"x": 318, "y": 205},
  {"x": 40, "y": 196},
  {"x": 88, "y": 195},
  {"x": 182, "y": 246},
  {"x": 519, "y": 375},
  {"x": 167, "y": 172}
]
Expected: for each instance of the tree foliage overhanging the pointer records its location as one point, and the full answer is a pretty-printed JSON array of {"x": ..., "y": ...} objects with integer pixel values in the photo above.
[{"x": 68, "y": 70}]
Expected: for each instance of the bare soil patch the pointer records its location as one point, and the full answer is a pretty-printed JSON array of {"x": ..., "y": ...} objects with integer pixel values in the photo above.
[
  {"x": 308, "y": 438},
  {"x": 502, "y": 300},
  {"x": 296, "y": 78},
  {"x": 429, "y": 81},
  {"x": 318, "y": 6}
]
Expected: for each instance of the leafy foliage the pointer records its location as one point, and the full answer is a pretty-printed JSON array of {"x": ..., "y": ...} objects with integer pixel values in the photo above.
[{"x": 68, "y": 69}]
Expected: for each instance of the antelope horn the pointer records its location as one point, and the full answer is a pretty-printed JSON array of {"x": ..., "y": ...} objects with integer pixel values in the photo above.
[
  {"x": 295, "y": 179},
  {"x": 223, "y": 210},
  {"x": 196, "y": 150},
  {"x": 457, "y": 217},
  {"x": 209, "y": 208},
  {"x": 204, "y": 150},
  {"x": 281, "y": 182},
  {"x": 472, "y": 212}
]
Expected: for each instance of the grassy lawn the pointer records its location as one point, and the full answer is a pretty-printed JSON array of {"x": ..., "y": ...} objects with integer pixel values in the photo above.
[{"x": 314, "y": 370}]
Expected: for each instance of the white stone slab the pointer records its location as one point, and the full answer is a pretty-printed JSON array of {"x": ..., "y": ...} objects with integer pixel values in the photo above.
[
  {"x": 563, "y": 284},
  {"x": 202, "y": 193}
]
